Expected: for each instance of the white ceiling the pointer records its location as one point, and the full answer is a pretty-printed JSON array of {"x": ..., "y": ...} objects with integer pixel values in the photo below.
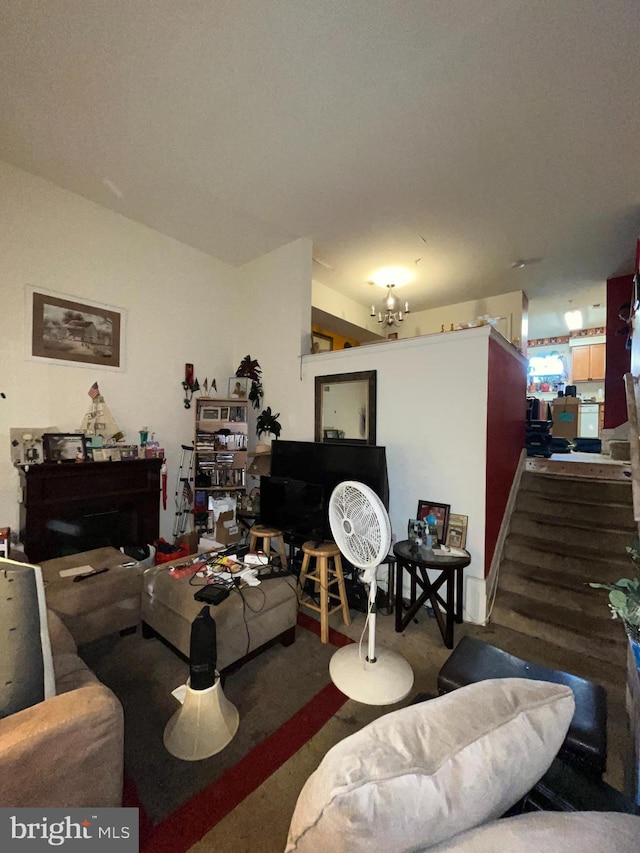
[{"x": 453, "y": 137}]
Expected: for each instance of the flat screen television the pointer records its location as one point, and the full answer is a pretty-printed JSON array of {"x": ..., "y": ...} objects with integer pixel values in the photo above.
[
  {"x": 330, "y": 464},
  {"x": 294, "y": 506}
]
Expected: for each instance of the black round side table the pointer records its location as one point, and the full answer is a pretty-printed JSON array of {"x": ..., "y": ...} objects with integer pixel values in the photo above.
[{"x": 415, "y": 560}]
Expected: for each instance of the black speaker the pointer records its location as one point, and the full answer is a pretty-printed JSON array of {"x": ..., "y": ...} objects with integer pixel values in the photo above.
[{"x": 203, "y": 651}]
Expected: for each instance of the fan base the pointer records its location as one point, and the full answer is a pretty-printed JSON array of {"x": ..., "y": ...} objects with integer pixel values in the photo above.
[{"x": 384, "y": 682}]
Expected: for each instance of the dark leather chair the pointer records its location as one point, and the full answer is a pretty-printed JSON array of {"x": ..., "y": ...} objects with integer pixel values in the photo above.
[{"x": 585, "y": 746}]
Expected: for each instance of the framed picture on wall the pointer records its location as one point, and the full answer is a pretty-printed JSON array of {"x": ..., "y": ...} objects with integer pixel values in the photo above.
[
  {"x": 441, "y": 513},
  {"x": 72, "y": 331},
  {"x": 321, "y": 343},
  {"x": 239, "y": 387}
]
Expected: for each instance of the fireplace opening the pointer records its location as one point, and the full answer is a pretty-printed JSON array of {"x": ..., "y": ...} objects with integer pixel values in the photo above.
[
  {"x": 114, "y": 527},
  {"x": 67, "y": 509}
]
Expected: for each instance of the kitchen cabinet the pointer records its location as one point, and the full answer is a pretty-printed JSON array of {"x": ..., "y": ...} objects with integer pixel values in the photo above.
[{"x": 587, "y": 363}]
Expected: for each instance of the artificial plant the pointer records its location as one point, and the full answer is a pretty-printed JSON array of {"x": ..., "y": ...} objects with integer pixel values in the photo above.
[
  {"x": 268, "y": 423},
  {"x": 624, "y": 595},
  {"x": 250, "y": 368}
]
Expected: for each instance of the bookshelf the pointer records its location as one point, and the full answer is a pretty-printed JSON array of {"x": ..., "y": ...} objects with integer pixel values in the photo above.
[{"x": 220, "y": 452}]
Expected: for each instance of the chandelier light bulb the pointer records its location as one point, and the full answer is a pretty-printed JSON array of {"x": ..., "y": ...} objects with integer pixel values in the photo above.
[{"x": 393, "y": 314}]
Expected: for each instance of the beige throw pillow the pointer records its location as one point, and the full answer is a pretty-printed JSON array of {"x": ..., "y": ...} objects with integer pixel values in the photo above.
[
  {"x": 551, "y": 832},
  {"x": 420, "y": 775}
]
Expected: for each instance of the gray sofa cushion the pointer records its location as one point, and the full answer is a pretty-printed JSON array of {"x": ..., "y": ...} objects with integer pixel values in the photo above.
[
  {"x": 26, "y": 665},
  {"x": 551, "y": 832}
]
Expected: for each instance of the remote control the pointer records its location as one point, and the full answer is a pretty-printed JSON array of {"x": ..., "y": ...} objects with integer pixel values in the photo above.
[{"x": 89, "y": 575}]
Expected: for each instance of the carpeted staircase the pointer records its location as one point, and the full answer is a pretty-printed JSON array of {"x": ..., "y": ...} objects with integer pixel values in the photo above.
[{"x": 565, "y": 532}]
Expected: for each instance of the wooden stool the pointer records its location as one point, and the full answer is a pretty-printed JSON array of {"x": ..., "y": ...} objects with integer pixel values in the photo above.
[
  {"x": 324, "y": 577},
  {"x": 266, "y": 534}
]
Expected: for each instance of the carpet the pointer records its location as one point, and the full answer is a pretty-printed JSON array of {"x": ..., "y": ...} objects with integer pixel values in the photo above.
[{"x": 284, "y": 697}]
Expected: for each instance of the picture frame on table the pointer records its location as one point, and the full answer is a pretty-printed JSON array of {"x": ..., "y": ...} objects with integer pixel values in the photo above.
[
  {"x": 64, "y": 447},
  {"x": 417, "y": 531},
  {"x": 73, "y": 331},
  {"x": 457, "y": 531},
  {"x": 332, "y": 434},
  {"x": 440, "y": 511},
  {"x": 129, "y": 451}
]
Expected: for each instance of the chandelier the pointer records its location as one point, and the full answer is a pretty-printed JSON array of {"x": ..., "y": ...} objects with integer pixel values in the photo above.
[{"x": 392, "y": 314}]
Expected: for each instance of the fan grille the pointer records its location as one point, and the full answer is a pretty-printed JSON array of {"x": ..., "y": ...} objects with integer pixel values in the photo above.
[{"x": 359, "y": 524}]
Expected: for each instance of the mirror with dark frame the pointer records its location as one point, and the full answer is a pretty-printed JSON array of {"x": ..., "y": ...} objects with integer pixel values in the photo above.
[{"x": 345, "y": 407}]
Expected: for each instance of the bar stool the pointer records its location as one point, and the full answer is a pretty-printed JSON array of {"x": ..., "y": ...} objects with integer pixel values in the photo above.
[
  {"x": 266, "y": 534},
  {"x": 325, "y": 577}
]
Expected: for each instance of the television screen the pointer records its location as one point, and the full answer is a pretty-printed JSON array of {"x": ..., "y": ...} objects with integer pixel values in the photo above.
[
  {"x": 330, "y": 464},
  {"x": 295, "y": 507}
]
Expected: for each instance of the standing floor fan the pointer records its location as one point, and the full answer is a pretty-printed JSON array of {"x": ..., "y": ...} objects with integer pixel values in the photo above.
[{"x": 361, "y": 529}]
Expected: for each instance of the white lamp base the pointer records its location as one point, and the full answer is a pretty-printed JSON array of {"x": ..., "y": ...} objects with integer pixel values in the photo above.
[
  {"x": 203, "y": 725},
  {"x": 384, "y": 682}
]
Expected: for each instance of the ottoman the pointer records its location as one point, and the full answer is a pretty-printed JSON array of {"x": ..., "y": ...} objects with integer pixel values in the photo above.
[
  {"x": 92, "y": 608},
  {"x": 248, "y": 621}
]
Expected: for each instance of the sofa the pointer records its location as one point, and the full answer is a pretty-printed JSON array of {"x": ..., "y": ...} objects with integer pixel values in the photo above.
[
  {"x": 64, "y": 746},
  {"x": 442, "y": 775}
]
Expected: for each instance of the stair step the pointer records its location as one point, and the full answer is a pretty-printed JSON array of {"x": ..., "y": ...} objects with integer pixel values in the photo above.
[
  {"x": 602, "y": 491},
  {"x": 553, "y": 587},
  {"x": 550, "y": 528},
  {"x": 577, "y": 560},
  {"x": 597, "y": 637},
  {"x": 611, "y": 674},
  {"x": 587, "y": 514},
  {"x": 563, "y": 533}
]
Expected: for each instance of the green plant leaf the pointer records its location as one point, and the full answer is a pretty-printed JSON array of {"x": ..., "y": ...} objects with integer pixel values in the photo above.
[{"x": 618, "y": 600}]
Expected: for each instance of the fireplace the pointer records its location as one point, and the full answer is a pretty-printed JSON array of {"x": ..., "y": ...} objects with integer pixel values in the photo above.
[{"x": 68, "y": 507}]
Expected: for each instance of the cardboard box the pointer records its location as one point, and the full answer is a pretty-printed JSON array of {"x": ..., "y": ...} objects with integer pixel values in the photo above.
[
  {"x": 189, "y": 540},
  {"x": 227, "y": 531},
  {"x": 564, "y": 413}
]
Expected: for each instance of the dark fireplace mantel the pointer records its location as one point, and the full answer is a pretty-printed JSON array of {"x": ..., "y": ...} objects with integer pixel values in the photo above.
[{"x": 71, "y": 507}]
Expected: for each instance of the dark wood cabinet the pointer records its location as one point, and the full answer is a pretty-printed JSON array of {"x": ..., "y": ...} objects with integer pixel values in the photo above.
[{"x": 67, "y": 508}]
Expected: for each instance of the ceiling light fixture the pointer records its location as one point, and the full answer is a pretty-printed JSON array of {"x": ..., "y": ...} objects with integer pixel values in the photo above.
[
  {"x": 573, "y": 319},
  {"x": 392, "y": 314}
]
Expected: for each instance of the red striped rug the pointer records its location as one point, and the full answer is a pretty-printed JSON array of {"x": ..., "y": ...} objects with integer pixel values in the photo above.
[{"x": 189, "y": 823}]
